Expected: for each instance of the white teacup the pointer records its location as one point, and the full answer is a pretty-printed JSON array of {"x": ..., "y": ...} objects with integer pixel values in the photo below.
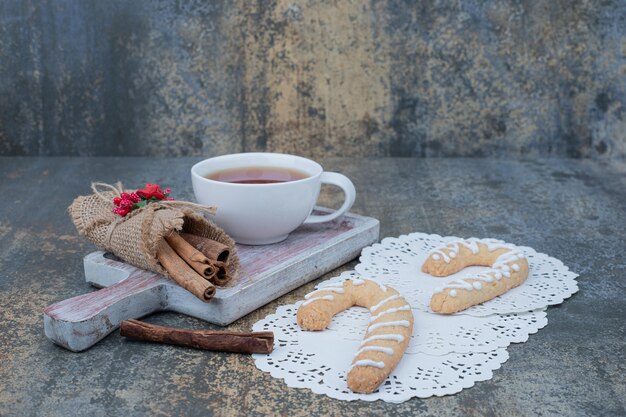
[{"x": 260, "y": 214}]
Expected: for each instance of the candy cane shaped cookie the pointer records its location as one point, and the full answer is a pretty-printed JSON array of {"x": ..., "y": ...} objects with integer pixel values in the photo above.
[
  {"x": 508, "y": 269},
  {"x": 388, "y": 333}
]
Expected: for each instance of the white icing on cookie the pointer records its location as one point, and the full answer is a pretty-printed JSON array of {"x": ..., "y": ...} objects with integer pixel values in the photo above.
[
  {"x": 368, "y": 362},
  {"x": 502, "y": 260},
  {"x": 338, "y": 290},
  {"x": 390, "y": 311},
  {"x": 453, "y": 247},
  {"x": 403, "y": 323},
  {"x": 386, "y": 300},
  {"x": 392, "y": 336},
  {"x": 388, "y": 351},
  {"x": 325, "y": 297},
  {"x": 441, "y": 254}
]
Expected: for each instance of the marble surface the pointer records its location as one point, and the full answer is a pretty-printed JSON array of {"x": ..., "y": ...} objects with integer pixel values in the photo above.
[
  {"x": 325, "y": 77},
  {"x": 571, "y": 209}
]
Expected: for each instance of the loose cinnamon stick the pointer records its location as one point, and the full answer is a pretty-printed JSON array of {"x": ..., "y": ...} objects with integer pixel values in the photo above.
[
  {"x": 183, "y": 274},
  {"x": 210, "y": 248},
  {"x": 192, "y": 256},
  {"x": 255, "y": 342}
]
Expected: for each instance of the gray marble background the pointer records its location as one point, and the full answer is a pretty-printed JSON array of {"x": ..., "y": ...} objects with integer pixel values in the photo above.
[{"x": 341, "y": 78}]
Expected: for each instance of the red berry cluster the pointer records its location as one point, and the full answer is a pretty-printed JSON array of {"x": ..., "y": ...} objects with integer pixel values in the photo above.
[{"x": 127, "y": 202}]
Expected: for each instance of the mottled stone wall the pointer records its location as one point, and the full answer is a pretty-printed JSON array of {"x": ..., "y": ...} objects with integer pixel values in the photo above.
[{"x": 351, "y": 77}]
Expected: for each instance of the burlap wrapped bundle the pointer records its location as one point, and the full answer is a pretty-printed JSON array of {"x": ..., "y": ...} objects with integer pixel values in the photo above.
[{"x": 136, "y": 236}]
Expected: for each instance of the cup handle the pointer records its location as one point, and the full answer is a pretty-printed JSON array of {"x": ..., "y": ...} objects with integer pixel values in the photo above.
[{"x": 346, "y": 185}]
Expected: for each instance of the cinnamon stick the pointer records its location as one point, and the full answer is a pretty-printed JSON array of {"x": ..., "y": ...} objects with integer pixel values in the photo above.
[
  {"x": 219, "y": 341},
  {"x": 180, "y": 272},
  {"x": 210, "y": 248},
  {"x": 192, "y": 256},
  {"x": 221, "y": 277}
]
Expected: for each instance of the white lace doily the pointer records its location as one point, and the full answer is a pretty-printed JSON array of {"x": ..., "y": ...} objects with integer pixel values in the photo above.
[
  {"x": 398, "y": 261},
  {"x": 446, "y": 353},
  {"x": 303, "y": 359}
]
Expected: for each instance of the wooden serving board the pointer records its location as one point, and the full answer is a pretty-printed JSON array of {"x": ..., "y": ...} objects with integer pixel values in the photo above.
[{"x": 267, "y": 272}]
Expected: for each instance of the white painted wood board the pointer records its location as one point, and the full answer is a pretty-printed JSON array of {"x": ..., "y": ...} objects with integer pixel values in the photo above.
[{"x": 267, "y": 272}]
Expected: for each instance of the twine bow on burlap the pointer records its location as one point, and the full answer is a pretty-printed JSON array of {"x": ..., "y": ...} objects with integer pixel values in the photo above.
[
  {"x": 135, "y": 237},
  {"x": 117, "y": 190}
]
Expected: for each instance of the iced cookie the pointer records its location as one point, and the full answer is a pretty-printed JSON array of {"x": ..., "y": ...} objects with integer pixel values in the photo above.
[
  {"x": 508, "y": 269},
  {"x": 388, "y": 333}
]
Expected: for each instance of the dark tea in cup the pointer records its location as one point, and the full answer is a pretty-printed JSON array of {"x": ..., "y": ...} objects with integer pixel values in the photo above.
[{"x": 257, "y": 175}]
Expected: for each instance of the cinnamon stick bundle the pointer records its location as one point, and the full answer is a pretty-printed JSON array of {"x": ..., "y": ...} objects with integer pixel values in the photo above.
[
  {"x": 220, "y": 341},
  {"x": 217, "y": 254},
  {"x": 210, "y": 248},
  {"x": 180, "y": 272},
  {"x": 192, "y": 256}
]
